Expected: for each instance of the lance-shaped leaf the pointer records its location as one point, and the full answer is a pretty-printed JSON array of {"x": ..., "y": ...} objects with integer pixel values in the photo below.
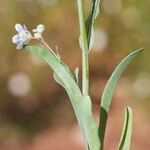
[
  {"x": 90, "y": 21},
  {"x": 126, "y": 135},
  {"x": 81, "y": 104},
  {"x": 109, "y": 91}
]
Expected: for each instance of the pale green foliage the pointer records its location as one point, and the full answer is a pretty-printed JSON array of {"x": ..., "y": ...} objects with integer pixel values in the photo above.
[
  {"x": 81, "y": 104},
  {"x": 109, "y": 91},
  {"x": 112, "y": 82},
  {"x": 90, "y": 21},
  {"x": 125, "y": 140},
  {"x": 80, "y": 100}
]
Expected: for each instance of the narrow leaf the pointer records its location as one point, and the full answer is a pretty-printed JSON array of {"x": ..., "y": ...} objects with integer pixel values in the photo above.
[
  {"x": 126, "y": 135},
  {"x": 90, "y": 21},
  {"x": 58, "y": 80},
  {"x": 80, "y": 103},
  {"x": 109, "y": 91}
]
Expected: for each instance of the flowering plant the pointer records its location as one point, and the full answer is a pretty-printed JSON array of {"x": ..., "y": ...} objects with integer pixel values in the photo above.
[{"x": 80, "y": 99}]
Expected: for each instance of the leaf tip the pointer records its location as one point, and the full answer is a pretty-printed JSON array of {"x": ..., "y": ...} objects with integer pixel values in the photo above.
[
  {"x": 140, "y": 50},
  {"x": 128, "y": 110}
]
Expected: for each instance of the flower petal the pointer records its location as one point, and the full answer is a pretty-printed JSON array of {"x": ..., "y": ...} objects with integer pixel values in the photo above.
[
  {"x": 20, "y": 45},
  {"x": 23, "y": 37},
  {"x": 37, "y": 35},
  {"x": 19, "y": 27},
  {"x": 15, "y": 38},
  {"x": 40, "y": 28},
  {"x": 34, "y": 30},
  {"x": 24, "y": 27}
]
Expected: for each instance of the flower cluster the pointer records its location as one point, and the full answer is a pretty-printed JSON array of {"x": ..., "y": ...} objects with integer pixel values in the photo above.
[
  {"x": 38, "y": 31},
  {"x": 24, "y": 36}
]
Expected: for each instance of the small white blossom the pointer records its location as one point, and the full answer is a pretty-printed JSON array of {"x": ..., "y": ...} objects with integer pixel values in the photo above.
[
  {"x": 23, "y": 37},
  {"x": 38, "y": 31}
]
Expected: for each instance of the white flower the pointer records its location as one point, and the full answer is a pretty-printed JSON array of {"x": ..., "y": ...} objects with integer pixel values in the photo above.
[
  {"x": 38, "y": 31},
  {"x": 23, "y": 37}
]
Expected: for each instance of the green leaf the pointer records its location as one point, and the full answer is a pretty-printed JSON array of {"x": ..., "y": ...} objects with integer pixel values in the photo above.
[
  {"x": 109, "y": 91},
  {"x": 126, "y": 135},
  {"x": 90, "y": 21},
  {"x": 76, "y": 75},
  {"x": 58, "y": 80},
  {"x": 80, "y": 103}
]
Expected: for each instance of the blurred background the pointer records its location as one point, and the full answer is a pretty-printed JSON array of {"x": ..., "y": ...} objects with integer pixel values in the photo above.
[{"x": 35, "y": 112}]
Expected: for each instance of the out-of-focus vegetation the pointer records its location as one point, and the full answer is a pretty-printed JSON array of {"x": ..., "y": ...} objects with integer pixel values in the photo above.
[{"x": 33, "y": 106}]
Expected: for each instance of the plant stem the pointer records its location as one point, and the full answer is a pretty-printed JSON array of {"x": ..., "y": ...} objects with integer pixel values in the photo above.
[
  {"x": 84, "y": 47},
  {"x": 42, "y": 40}
]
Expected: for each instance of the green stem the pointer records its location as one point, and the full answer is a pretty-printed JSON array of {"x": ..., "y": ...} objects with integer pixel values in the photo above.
[{"x": 84, "y": 47}]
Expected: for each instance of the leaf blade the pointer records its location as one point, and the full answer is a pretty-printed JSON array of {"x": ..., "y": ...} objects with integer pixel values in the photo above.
[
  {"x": 90, "y": 22},
  {"x": 80, "y": 103},
  {"x": 109, "y": 90},
  {"x": 125, "y": 140}
]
